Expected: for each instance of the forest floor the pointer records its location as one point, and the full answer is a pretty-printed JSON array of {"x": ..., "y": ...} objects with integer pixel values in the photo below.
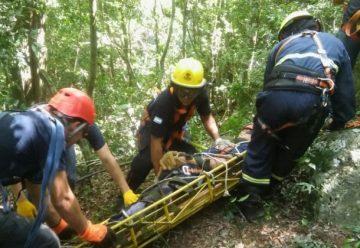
[
  {"x": 285, "y": 223},
  {"x": 211, "y": 228}
]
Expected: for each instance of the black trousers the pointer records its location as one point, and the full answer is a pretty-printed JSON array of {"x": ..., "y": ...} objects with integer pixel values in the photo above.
[{"x": 142, "y": 165}]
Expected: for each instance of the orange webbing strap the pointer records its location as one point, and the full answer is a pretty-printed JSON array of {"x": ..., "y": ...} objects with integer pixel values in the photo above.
[
  {"x": 353, "y": 123},
  {"x": 175, "y": 135},
  {"x": 352, "y": 25},
  {"x": 284, "y": 45},
  {"x": 144, "y": 119},
  {"x": 180, "y": 133},
  {"x": 325, "y": 61}
]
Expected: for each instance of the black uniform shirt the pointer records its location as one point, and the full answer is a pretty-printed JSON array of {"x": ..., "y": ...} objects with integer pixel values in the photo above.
[{"x": 164, "y": 108}]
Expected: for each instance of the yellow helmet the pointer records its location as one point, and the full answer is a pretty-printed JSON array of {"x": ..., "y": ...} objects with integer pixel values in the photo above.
[
  {"x": 291, "y": 18},
  {"x": 188, "y": 73}
]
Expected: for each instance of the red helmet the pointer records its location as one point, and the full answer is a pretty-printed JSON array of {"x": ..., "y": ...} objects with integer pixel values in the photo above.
[{"x": 74, "y": 103}]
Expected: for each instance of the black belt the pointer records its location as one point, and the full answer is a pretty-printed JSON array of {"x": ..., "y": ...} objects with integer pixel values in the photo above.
[{"x": 294, "y": 81}]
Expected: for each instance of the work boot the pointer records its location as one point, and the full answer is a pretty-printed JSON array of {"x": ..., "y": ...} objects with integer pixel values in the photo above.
[
  {"x": 252, "y": 207},
  {"x": 272, "y": 191}
]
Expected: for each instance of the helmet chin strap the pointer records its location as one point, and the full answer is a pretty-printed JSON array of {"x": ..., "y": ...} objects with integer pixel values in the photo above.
[{"x": 75, "y": 131}]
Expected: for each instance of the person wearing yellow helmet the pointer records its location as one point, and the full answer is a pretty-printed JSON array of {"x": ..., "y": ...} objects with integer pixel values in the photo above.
[
  {"x": 298, "y": 94},
  {"x": 165, "y": 118}
]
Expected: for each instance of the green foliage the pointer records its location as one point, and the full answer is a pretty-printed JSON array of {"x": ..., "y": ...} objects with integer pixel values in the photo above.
[
  {"x": 354, "y": 233},
  {"x": 308, "y": 242}
]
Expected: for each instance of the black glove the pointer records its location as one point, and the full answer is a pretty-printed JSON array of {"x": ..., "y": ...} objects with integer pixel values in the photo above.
[
  {"x": 67, "y": 234},
  {"x": 108, "y": 241}
]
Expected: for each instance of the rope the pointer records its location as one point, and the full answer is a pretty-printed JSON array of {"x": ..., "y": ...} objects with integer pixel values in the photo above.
[
  {"x": 215, "y": 157},
  {"x": 56, "y": 147}
]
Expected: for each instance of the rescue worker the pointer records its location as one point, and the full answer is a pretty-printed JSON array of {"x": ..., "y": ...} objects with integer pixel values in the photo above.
[
  {"x": 32, "y": 145},
  {"x": 96, "y": 140},
  {"x": 164, "y": 119},
  {"x": 308, "y": 74},
  {"x": 349, "y": 33},
  {"x": 25, "y": 208}
]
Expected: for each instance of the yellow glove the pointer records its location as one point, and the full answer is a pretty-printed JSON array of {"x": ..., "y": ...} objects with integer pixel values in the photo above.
[
  {"x": 130, "y": 197},
  {"x": 26, "y": 209}
]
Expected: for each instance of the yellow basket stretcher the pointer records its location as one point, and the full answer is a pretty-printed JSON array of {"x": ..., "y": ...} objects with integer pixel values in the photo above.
[{"x": 145, "y": 226}]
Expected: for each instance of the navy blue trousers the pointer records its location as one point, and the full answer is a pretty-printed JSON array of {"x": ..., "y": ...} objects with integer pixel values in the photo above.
[{"x": 271, "y": 157}]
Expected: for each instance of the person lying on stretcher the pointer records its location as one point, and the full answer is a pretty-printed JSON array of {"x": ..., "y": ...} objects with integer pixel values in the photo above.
[{"x": 178, "y": 169}]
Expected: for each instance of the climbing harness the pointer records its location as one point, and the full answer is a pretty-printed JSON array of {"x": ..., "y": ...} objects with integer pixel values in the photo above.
[
  {"x": 329, "y": 65},
  {"x": 289, "y": 77},
  {"x": 182, "y": 115}
]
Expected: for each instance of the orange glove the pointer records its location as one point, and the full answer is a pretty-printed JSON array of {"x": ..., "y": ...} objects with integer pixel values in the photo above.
[
  {"x": 100, "y": 235},
  {"x": 60, "y": 227}
]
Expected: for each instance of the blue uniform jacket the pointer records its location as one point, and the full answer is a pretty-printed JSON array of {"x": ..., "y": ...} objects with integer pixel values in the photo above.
[
  {"x": 343, "y": 100},
  {"x": 24, "y": 143}
]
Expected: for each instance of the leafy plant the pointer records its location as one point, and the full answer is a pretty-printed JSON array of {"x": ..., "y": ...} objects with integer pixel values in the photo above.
[
  {"x": 308, "y": 242},
  {"x": 354, "y": 233}
]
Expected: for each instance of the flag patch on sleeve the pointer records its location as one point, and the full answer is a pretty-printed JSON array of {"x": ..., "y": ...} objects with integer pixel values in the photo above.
[{"x": 158, "y": 120}]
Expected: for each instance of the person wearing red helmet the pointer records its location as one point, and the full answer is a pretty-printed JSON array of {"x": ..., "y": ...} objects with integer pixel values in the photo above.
[{"x": 32, "y": 147}]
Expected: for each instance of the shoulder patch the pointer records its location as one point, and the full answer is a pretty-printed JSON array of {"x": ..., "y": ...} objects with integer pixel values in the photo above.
[{"x": 158, "y": 120}]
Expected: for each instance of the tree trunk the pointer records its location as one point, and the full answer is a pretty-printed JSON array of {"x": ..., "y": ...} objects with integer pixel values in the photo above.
[
  {"x": 37, "y": 55},
  {"x": 156, "y": 34},
  {"x": 127, "y": 51},
  {"x": 93, "y": 48},
  {"x": 163, "y": 56},
  {"x": 184, "y": 28}
]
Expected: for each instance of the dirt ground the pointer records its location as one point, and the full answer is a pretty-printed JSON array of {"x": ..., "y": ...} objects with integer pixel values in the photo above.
[{"x": 211, "y": 228}]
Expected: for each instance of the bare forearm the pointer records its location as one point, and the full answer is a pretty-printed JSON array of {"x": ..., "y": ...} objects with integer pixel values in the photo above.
[
  {"x": 157, "y": 152},
  {"x": 210, "y": 126},
  {"x": 66, "y": 204},
  {"x": 69, "y": 210},
  {"x": 112, "y": 167}
]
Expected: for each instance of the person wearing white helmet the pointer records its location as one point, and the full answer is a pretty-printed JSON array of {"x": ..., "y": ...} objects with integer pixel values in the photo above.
[{"x": 308, "y": 76}]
